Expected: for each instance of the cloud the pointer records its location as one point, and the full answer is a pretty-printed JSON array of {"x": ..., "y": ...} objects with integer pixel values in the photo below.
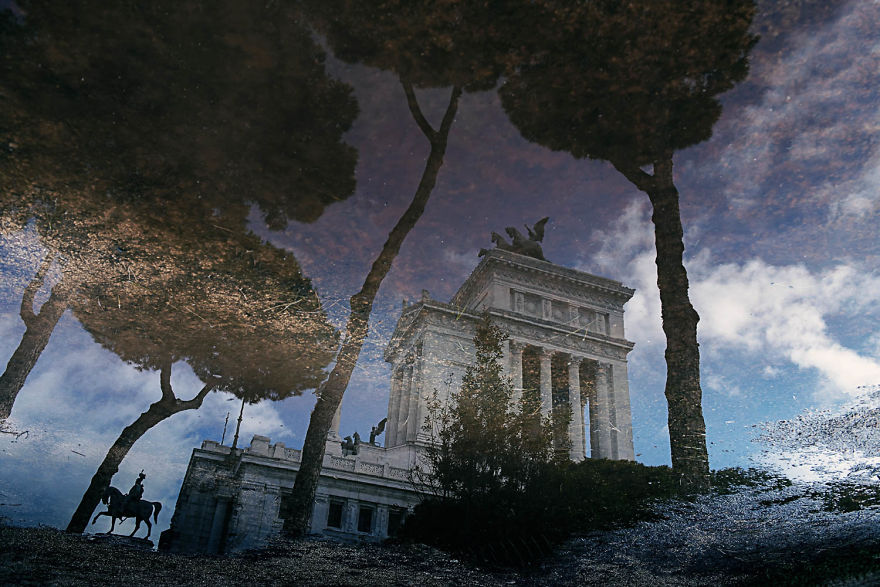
[
  {"x": 74, "y": 406},
  {"x": 782, "y": 311},
  {"x": 626, "y": 251},
  {"x": 816, "y": 116},
  {"x": 777, "y": 313},
  {"x": 721, "y": 385}
]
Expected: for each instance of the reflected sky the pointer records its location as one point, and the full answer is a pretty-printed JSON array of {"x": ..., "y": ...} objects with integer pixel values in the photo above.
[{"x": 779, "y": 208}]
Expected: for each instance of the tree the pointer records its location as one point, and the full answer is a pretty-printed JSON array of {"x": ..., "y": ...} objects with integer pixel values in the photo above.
[
  {"x": 425, "y": 45},
  {"x": 485, "y": 446},
  {"x": 237, "y": 311},
  {"x": 78, "y": 238},
  {"x": 632, "y": 83},
  {"x": 104, "y": 105}
]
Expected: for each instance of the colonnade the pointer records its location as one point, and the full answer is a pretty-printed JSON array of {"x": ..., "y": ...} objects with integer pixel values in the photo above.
[
  {"x": 589, "y": 382},
  {"x": 578, "y": 381}
]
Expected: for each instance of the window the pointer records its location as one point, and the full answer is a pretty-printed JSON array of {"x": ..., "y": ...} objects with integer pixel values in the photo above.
[
  {"x": 334, "y": 514},
  {"x": 365, "y": 519},
  {"x": 395, "y": 520}
]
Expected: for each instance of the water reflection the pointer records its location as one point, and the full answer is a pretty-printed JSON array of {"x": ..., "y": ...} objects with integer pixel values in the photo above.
[{"x": 144, "y": 148}]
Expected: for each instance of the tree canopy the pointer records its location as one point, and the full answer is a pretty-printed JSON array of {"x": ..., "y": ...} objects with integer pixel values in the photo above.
[
  {"x": 196, "y": 113},
  {"x": 629, "y": 83},
  {"x": 237, "y": 310},
  {"x": 632, "y": 83},
  {"x": 223, "y": 102}
]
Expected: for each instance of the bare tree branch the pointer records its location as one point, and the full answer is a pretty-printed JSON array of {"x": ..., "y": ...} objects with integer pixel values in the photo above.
[
  {"x": 165, "y": 381},
  {"x": 30, "y": 292},
  {"x": 642, "y": 180},
  {"x": 416, "y": 111}
]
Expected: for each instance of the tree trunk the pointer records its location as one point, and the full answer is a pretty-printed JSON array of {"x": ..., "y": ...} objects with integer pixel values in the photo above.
[
  {"x": 687, "y": 429},
  {"x": 157, "y": 412},
  {"x": 297, "y": 509},
  {"x": 39, "y": 328}
]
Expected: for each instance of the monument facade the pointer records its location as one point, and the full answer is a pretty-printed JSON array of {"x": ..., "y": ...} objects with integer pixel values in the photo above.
[{"x": 566, "y": 344}]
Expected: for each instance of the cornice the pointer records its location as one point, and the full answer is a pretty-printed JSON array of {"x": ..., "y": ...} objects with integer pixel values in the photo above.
[
  {"x": 434, "y": 314},
  {"x": 542, "y": 270}
]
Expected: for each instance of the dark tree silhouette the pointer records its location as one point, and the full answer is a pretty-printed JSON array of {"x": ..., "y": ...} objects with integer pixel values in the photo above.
[
  {"x": 427, "y": 45},
  {"x": 632, "y": 83},
  {"x": 107, "y": 104},
  {"x": 78, "y": 236},
  {"x": 237, "y": 311}
]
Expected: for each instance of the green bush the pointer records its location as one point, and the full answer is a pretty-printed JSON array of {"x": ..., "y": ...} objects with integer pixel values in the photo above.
[
  {"x": 501, "y": 496},
  {"x": 516, "y": 528}
]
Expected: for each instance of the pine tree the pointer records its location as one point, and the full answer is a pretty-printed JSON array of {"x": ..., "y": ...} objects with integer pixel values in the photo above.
[{"x": 484, "y": 446}]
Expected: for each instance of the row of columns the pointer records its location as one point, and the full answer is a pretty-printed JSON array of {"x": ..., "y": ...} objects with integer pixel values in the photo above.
[
  {"x": 404, "y": 404},
  {"x": 608, "y": 401},
  {"x": 607, "y": 438},
  {"x": 404, "y": 410}
]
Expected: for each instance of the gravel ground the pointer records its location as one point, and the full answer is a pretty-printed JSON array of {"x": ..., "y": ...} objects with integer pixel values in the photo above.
[{"x": 758, "y": 536}]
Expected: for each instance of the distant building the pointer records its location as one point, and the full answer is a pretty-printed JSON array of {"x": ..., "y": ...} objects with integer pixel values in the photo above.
[{"x": 566, "y": 344}]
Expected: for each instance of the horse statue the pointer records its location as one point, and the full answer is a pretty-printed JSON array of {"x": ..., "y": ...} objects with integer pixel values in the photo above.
[
  {"x": 119, "y": 509},
  {"x": 529, "y": 246}
]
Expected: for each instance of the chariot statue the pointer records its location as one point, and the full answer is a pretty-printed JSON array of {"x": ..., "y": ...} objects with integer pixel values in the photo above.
[{"x": 529, "y": 246}]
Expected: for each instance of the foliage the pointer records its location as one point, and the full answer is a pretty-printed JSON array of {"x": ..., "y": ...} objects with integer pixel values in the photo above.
[
  {"x": 629, "y": 83},
  {"x": 484, "y": 445},
  {"x": 238, "y": 311},
  {"x": 500, "y": 495},
  {"x": 560, "y": 500},
  {"x": 632, "y": 83},
  {"x": 843, "y": 496},
  {"x": 174, "y": 99},
  {"x": 427, "y": 44},
  {"x": 135, "y": 135}
]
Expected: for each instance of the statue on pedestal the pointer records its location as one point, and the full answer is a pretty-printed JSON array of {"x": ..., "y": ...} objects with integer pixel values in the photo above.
[
  {"x": 529, "y": 247},
  {"x": 377, "y": 430}
]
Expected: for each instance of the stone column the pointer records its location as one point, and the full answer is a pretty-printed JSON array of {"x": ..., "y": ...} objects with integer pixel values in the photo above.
[
  {"x": 505, "y": 357},
  {"x": 622, "y": 417},
  {"x": 546, "y": 383},
  {"x": 394, "y": 406},
  {"x": 602, "y": 448},
  {"x": 403, "y": 411},
  {"x": 594, "y": 419},
  {"x": 516, "y": 372},
  {"x": 576, "y": 423},
  {"x": 350, "y": 517},
  {"x": 413, "y": 420},
  {"x": 334, "y": 424}
]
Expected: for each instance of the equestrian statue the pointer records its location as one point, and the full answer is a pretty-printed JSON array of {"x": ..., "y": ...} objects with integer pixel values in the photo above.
[{"x": 121, "y": 507}]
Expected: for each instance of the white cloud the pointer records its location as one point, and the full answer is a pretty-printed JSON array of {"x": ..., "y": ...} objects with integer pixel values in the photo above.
[
  {"x": 75, "y": 405},
  {"x": 781, "y": 311},
  {"x": 721, "y": 384},
  {"x": 773, "y": 313},
  {"x": 819, "y": 109}
]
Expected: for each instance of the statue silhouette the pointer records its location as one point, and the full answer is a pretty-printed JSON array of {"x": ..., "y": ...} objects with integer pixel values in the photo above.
[{"x": 528, "y": 246}]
